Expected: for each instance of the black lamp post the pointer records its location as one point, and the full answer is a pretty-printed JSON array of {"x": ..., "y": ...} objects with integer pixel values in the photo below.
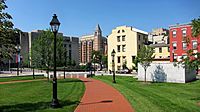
[
  {"x": 65, "y": 63},
  {"x": 113, "y": 64},
  {"x": 173, "y": 55},
  {"x": 18, "y": 58},
  {"x": 94, "y": 56},
  {"x": 21, "y": 57},
  {"x": 54, "y": 27}
]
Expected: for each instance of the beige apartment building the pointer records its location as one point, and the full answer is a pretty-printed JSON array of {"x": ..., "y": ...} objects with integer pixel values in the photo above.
[
  {"x": 88, "y": 43},
  {"x": 126, "y": 41}
]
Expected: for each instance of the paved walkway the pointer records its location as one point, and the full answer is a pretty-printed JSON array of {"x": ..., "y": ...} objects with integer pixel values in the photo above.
[{"x": 100, "y": 97}]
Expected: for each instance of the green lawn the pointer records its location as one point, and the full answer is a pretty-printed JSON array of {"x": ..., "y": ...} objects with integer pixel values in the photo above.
[
  {"x": 36, "y": 96},
  {"x": 158, "y": 97},
  {"x": 2, "y": 79}
]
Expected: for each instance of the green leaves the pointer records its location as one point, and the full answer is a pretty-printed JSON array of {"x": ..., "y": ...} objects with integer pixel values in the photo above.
[
  {"x": 42, "y": 50},
  {"x": 196, "y": 27},
  {"x": 7, "y": 34},
  {"x": 145, "y": 56}
]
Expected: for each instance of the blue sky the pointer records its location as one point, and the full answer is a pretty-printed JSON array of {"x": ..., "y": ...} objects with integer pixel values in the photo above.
[{"x": 79, "y": 17}]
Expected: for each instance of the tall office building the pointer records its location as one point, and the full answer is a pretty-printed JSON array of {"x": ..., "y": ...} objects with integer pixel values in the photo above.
[
  {"x": 88, "y": 43},
  {"x": 26, "y": 39}
]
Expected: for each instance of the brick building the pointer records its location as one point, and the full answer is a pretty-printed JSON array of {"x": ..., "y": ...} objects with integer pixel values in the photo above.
[
  {"x": 181, "y": 40},
  {"x": 88, "y": 43}
]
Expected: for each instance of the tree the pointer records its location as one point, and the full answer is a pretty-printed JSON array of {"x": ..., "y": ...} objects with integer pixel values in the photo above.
[
  {"x": 135, "y": 61},
  {"x": 7, "y": 34},
  {"x": 196, "y": 27},
  {"x": 145, "y": 57},
  {"x": 97, "y": 57},
  {"x": 105, "y": 61},
  {"x": 42, "y": 50}
]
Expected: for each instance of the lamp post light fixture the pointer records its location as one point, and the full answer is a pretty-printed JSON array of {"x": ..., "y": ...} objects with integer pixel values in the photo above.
[
  {"x": 113, "y": 64},
  {"x": 54, "y": 27},
  {"x": 18, "y": 58}
]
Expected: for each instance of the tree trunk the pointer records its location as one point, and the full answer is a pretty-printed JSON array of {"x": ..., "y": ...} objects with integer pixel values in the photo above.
[{"x": 145, "y": 70}]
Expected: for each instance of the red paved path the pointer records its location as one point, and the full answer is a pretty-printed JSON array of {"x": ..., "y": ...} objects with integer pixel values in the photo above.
[{"x": 100, "y": 97}]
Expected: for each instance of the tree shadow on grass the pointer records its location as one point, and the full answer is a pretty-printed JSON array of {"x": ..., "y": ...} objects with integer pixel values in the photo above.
[
  {"x": 71, "y": 81},
  {"x": 24, "y": 107}
]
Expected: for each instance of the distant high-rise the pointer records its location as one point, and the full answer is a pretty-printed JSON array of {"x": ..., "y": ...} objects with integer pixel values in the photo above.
[
  {"x": 95, "y": 42},
  {"x": 27, "y": 38}
]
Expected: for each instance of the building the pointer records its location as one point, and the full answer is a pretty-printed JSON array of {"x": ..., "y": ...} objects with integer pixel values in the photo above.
[
  {"x": 160, "y": 42},
  {"x": 161, "y": 52},
  {"x": 72, "y": 46},
  {"x": 27, "y": 38},
  {"x": 88, "y": 43},
  {"x": 181, "y": 40},
  {"x": 126, "y": 41},
  {"x": 159, "y": 35}
]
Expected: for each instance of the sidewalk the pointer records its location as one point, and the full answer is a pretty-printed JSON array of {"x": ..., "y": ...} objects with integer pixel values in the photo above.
[{"x": 100, "y": 97}]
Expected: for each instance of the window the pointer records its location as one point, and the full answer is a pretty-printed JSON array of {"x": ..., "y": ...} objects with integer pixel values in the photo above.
[
  {"x": 65, "y": 45},
  {"x": 118, "y": 59},
  {"x": 174, "y": 46},
  {"x": 184, "y": 45},
  {"x": 184, "y": 32},
  {"x": 118, "y": 48},
  {"x": 123, "y": 37},
  {"x": 70, "y": 54},
  {"x": 133, "y": 58},
  {"x": 160, "y": 49},
  {"x": 194, "y": 44},
  {"x": 124, "y": 59},
  {"x": 123, "y": 31},
  {"x": 118, "y": 31},
  {"x": 118, "y": 67},
  {"x": 138, "y": 37},
  {"x": 174, "y": 33},
  {"x": 139, "y": 46},
  {"x": 144, "y": 37},
  {"x": 118, "y": 38},
  {"x": 123, "y": 48},
  {"x": 168, "y": 49},
  {"x": 70, "y": 46}
]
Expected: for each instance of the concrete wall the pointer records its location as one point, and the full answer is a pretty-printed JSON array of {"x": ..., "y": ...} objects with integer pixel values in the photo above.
[{"x": 166, "y": 72}]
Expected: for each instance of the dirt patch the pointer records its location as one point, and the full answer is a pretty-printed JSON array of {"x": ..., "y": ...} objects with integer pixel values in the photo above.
[{"x": 198, "y": 103}]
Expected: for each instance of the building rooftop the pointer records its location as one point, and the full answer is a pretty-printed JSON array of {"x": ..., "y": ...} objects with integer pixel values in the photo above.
[
  {"x": 179, "y": 25},
  {"x": 159, "y": 45}
]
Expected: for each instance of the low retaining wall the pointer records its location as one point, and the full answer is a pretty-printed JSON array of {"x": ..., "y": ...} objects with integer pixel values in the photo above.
[{"x": 166, "y": 72}]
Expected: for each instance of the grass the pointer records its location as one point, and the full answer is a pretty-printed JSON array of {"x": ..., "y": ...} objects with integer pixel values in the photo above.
[
  {"x": 2, "y": 79},
  {"x": 36, "y": 96},
  {"x": 158, "y": 97}
]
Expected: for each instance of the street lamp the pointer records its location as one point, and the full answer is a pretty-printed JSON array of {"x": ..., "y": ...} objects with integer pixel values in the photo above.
[
  {"x": 113, "y": 64},
  {"x": 54, "y": 27},
  {"x": 94, "y": 56},
  {"x": 65, "y": 62},
  {"x": 18, "y": 58},
  {"x": 173, "y": 55}
]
